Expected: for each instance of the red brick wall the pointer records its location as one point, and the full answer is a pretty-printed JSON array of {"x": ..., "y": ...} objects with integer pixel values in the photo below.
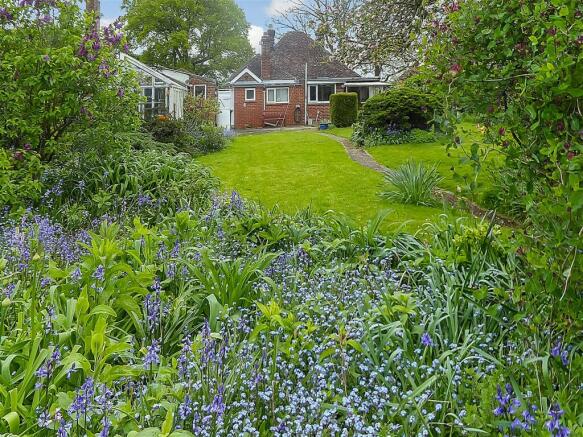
[
  {"x": 253, "y": 114},
  {"x": 211, "y": 88},
  {"x": 296, "y": 98},
  {"x": 319, "y": 111},
  {"x": 248, "y": 114}
]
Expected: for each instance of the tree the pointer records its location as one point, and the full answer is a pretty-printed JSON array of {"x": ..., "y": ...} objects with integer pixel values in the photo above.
[
  {"x": 59, "y": 75},
  {"x": 372, "y": 35},
  {"x": 207, "y": 37}
]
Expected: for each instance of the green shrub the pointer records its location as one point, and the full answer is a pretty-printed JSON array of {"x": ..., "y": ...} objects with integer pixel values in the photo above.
[
  {"x": 59, "y": 76},
  {"x": 169, "y": 130},
  {"x": 208, "y": 138},
  {"x": 343, "y": 109},
  {"x": 517, "y": 65},
  {"x": 149, "y": 183},
  {"x": 200, "y": 110},
  {"x": 400, "y": 108},
  {"x": 191, "y": 135},
  {"x": 19, "y": 178},
  {"x": 379, "y": 137},
  {"x": 412, "y": 183}
]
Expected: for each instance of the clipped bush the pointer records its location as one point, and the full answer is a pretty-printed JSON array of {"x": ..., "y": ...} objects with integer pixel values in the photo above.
[
  {"x": 412, "y": 183},
  {"x": 401, "y": 108},
  {"x": 344, "y": 109}
]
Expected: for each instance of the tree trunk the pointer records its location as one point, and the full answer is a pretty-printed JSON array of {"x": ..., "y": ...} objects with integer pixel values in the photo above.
[
  {"x": 94, "y": 7},
  {"x": 378, "y": 69}
]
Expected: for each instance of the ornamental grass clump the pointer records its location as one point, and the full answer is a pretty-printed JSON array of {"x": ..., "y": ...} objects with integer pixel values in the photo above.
[{"x": 412, "y": 183}]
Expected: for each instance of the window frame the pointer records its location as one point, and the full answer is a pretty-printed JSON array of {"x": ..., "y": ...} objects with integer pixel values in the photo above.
[
  {"x": 275, "y": 102},
  {"x": 317, "y": 86},
  {"x": 199, "y": 85},
  {"x": 254, "y": 94}
]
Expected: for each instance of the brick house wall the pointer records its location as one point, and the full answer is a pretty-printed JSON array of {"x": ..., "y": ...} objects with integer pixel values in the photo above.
[
  {"x": 296, "y": 98},
  {"x": 319, "y": 112},
  {"x": 211, "y": 87},
  {"x": 254, "y": 114},
  {"x": 248, "y": 114}
]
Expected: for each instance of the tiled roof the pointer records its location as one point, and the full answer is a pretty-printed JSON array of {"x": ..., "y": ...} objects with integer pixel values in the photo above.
[{"x": 290, "y": 56}]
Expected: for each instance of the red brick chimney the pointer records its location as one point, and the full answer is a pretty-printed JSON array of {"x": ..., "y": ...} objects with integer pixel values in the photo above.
[{"x": 267, "y": 43}]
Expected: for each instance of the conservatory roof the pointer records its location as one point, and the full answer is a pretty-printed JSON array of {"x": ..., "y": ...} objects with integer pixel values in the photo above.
[{"x": 134, "y": 63}]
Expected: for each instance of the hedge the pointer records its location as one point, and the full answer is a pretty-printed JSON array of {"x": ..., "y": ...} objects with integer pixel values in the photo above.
[
  {"x": 401, "y": 108},
  {"x": 343, "y": 109}
]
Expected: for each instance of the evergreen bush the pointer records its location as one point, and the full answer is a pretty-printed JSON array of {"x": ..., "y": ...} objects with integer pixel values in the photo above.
[
  {"x": 343, "y": 109},
  {"x": 401, "y": 108}
]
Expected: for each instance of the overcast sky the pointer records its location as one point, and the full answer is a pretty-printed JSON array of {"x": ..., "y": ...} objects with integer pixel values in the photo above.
[{"x": 259, "y": 14}]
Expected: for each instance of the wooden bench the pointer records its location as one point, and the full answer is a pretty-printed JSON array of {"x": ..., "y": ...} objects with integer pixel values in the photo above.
[{"x": 274, "y": 119}]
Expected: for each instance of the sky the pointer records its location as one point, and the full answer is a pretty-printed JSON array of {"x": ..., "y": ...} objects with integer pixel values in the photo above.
[{"x": 259, "y": 14}]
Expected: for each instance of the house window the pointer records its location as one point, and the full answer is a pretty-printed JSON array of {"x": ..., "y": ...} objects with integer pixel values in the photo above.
[
  {"x": 199, "y": 91},
  {"x": 249, "y": 94},
  {"x": 277, "y": 95},
  {"x": 321, "y": 93}
]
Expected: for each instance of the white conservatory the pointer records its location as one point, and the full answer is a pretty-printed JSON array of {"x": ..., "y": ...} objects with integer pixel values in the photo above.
[{"x": 164, "y": 94}]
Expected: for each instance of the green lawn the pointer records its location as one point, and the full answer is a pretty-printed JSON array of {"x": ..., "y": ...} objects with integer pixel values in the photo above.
[
  {"x": 452, "y": 165},
  {"x": 344, "y": 132},
  {"x": 299, "y": 169}
]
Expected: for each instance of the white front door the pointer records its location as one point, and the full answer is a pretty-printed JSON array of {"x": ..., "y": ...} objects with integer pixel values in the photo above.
[{"x": 225, "y": 116}]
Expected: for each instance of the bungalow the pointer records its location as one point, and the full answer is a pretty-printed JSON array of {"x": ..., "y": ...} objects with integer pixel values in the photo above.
[{"x": 290, "y": 83}]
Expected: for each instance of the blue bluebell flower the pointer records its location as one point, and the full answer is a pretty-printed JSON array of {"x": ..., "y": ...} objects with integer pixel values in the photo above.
[{"x": 426, "y": 340}]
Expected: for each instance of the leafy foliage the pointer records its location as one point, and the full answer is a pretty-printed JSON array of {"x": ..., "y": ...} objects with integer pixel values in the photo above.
[
  {"x": 139, "y": 329},
  {"x": 200, "y": 110},
  {"x": 207, "y": 38},
  {"x": 400, "y": 108},
  {"x": 343, "y": 109},
  {"x": 19, "y": 178},
  {"x": 138, "y": 301},
  {"x": 190, "y": 135},
  {"x": 169, "y": 130},
  {"x": 151, "y": 183},
  {"x": 379, "y": 137},
  {"x": 517, "y": 65},
  {"x": 412, "y": 183},
  {"x": 59, "y": 75},
  {"x": 200, "y": 122}
]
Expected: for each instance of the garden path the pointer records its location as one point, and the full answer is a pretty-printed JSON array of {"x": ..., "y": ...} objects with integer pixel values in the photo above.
[
  {"x": 362, "y": 157},
  {"x": 358, "y": 154}
]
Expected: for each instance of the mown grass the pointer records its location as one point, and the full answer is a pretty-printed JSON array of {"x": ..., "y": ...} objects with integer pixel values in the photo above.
[
  {"x": 301, "y": 169},
  {"x": 344, "y": 132},
  {"x": 453, "y": 165}
]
